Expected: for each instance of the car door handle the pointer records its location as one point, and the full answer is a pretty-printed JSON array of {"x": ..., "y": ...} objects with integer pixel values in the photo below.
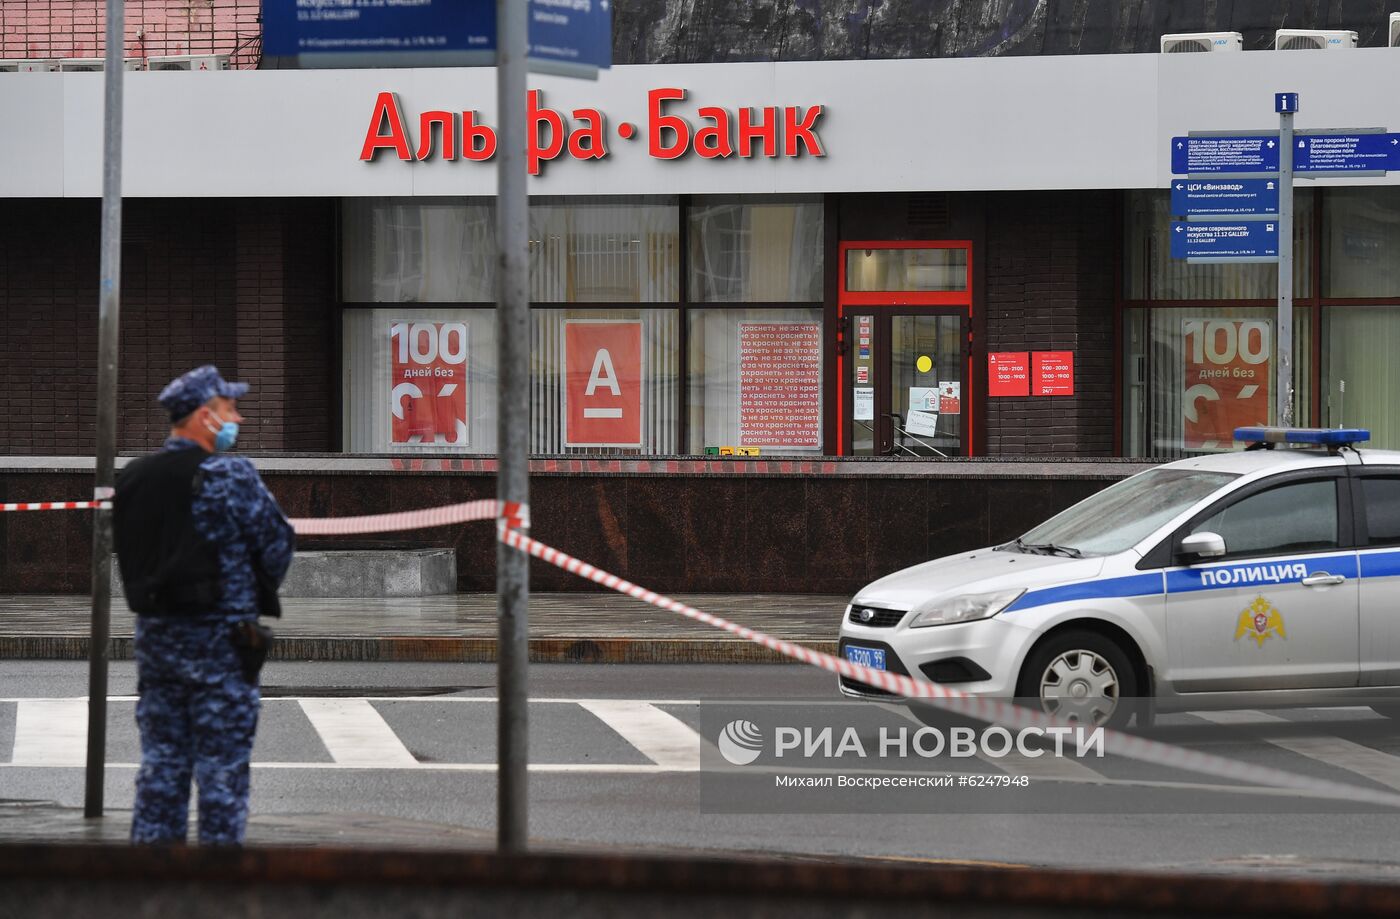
[{"x": 1323, "y": 578}]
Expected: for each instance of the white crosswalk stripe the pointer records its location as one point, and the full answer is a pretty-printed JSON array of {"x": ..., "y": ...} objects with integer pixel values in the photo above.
[
  {"x": 50, "y": 732},
  {"x": 1334, "y": 751},
  {"x": 660, "y": 736},
  {"x": 356, "y": 734}
]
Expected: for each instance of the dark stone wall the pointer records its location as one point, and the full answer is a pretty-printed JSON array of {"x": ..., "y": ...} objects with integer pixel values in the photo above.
[
  {"x": 674, "y": 533},
  {"x": 707, "y": 31},
  {"x": 246, "y": 284}
]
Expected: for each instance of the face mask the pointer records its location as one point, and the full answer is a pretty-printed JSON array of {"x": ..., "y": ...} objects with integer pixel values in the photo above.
[{"x": 226, "y": 436}]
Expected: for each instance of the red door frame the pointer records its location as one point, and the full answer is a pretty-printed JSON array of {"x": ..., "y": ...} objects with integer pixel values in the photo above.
[{"x": 897, "y": 298}]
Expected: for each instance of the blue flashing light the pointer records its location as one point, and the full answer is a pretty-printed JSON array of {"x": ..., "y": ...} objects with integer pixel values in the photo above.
[{"x": 1318, "y": 437}]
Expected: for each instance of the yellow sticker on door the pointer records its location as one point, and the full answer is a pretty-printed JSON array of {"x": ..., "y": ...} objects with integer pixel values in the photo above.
[{"x": 1259, "y": 620}]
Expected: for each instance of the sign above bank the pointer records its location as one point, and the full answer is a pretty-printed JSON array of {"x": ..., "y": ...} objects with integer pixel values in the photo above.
[
  {"x": 746, "y": 133},
  {"x": 566, "y": 36},
  {"x": 1247, "y": 239},
  {"x": 1321, "y": 152},
  {"x": 1224, "y": 197}
]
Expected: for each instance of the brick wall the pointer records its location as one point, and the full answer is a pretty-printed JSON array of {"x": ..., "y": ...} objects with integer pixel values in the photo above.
[
  {"x": 1049, "y": 287},
  {"x": 243, "y": 284},
  {"x": 154, "y": 28}
]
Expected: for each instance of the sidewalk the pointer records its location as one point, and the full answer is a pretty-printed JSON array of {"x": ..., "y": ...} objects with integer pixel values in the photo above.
[{"x": 564, "y": 628}]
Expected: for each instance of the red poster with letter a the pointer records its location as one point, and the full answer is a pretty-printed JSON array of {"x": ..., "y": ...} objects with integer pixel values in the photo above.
[{"x": 603, "y": 384}]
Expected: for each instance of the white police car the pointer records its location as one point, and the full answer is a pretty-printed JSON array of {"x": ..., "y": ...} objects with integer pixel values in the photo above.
[{"x": 1263, "y": 577}]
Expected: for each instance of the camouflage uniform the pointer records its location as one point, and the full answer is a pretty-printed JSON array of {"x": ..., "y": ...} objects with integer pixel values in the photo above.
[{"x": 197, "y": 712}]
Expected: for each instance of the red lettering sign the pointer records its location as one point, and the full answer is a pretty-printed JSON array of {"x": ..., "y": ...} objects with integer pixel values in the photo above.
[
  {"x": 1008, "y": 373},
  {"x": 603, "y": 383},
  {"x": 720, "y": 133},
  {"x": 780, "y": 384},
  {"x": 428, "y": 383},
  {"x": 1054, "y": 373},
  {"x": 1227, "y": 379}
]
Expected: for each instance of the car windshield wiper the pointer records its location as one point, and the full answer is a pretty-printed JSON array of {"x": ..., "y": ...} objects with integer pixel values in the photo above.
[{"x": 1047, "y": 548}]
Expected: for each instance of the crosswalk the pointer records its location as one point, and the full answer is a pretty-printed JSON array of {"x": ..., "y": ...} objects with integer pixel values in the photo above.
[{"x": 652, "y": 736}]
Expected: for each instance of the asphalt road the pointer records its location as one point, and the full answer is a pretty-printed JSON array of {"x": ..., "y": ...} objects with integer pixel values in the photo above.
[{"x": 616, "y": 764}]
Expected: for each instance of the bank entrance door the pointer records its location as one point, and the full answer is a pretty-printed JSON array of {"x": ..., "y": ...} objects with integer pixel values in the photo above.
[
  {"x": 905, "y": 317},
  {"x": 907, "y": 382}
]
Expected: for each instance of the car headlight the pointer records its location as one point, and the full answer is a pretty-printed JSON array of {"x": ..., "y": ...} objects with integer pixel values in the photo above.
[{"x": 965, "y": 608}]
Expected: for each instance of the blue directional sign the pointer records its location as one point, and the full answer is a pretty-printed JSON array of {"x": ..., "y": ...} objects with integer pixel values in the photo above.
[
  {"x": 1346, "y": 152},
  {"x": 1242, "y": 239},
  {"x": 1224, "y": 197},
  {"x": 433, "y": 33},
  {"x": 1224, "y": 154}
]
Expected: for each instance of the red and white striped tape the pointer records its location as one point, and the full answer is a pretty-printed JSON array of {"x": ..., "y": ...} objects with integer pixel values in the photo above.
[
  {"x": 512, "y": 518},
  {"x": 54, "y": 505}
]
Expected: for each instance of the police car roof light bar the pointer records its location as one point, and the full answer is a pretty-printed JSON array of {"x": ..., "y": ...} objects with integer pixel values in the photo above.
[{"x": 1317, "y": 437}]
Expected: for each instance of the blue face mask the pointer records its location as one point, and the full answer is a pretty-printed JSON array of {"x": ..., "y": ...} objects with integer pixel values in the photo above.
[{"x": 226, "y": 436}]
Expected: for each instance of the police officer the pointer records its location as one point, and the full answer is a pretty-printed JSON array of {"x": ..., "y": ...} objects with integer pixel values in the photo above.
[{"x": 201, "y": 544}]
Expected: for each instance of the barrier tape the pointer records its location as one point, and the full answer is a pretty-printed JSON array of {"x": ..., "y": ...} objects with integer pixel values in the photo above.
[
  {"x": 55, "y": 505},
  {"x": 513, "y": 517}
]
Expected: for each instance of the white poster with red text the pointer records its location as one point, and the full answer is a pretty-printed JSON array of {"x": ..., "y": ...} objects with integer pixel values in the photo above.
[
  {"x": 428, "y": 383},
  {"x": 780, "y": 384},
  {"x": 602, "y": 383},
  {"x": 1227, "y": 379}
]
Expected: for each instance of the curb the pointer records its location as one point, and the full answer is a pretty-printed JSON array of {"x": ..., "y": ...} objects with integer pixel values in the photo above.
[{"x": 443, "y": 649}]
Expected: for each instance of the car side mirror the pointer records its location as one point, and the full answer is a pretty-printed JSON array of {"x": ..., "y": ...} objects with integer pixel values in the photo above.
[{"x": 1203, "y": 545}]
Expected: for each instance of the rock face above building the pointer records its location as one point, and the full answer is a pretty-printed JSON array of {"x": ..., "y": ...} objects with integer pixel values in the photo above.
[{"x": 705, "y": 31}]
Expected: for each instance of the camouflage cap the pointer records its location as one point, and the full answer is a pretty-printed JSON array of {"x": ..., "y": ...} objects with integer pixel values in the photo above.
[{"x": 186, "y": 393}]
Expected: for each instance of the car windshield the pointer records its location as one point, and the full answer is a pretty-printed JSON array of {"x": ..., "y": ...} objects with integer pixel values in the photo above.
[{"x": 1122, "y": 515}]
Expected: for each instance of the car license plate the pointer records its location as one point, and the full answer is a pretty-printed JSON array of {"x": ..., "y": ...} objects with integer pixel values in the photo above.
[{"x": 874, "y": 658}]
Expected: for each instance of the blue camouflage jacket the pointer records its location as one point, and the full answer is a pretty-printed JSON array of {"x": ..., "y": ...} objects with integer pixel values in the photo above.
[{"x": 235, "y": 511}]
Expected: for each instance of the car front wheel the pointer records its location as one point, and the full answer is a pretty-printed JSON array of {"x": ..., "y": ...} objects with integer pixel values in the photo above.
[{"x": 1080, "y": 676}]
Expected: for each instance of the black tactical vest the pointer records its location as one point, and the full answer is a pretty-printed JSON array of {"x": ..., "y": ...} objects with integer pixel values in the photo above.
[{"x": 167, "y": 568}]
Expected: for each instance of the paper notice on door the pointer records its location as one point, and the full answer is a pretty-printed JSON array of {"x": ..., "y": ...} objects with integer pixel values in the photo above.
[
  {"x": 923, "y": 399},
  {"x": 923, "y": 424},
  {"x": 864, "y": 404},
  {"x": 950, "y": 397}
]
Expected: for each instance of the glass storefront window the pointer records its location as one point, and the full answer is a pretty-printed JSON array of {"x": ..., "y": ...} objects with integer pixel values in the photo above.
[
  {"x": 419, "y": 380},
  {"x": 424, "y": 380},
  {"x": 596, "y": 250},
  {"x": 1359, "y": 353},
  {"x": 1361, "y": 243},
  {"x": 906, "y": 269},
  {"x": 1152, "y": 274},
  {"x": 1194, "y": 374},
  {"x": 604, "y": 381},
  {"x": 755, "y": 379},
  {"x": 755, "y": 251}
]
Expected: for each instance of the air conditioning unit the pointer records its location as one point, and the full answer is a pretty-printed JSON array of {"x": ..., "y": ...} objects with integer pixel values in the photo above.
[
  {"x": 189, "y": 62},
  {"x": 94, "y": 64},
  {"x": 1313, "y": 39},
  {"x": 28, "y": 66},
  {"x": 1395, "y": 30},
  {"x": 1186, "y": 42}
]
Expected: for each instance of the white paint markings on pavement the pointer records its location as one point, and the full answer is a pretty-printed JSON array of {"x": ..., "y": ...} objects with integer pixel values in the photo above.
[
  {"x": 1334, "y": 751},
  {"x": 660, "y": 736},
  {"x": 51, "y": 732},
  {"x": 356, "y": 734}
]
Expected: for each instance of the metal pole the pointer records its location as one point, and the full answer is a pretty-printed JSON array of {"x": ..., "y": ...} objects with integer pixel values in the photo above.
[
  {"x": 512, "y": 423},
  {"x": 109, "y": 309},
  {"x": 1285, "y": 269}
]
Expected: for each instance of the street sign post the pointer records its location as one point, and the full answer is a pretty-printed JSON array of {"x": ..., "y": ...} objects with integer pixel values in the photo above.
[
  {"x": 1244, "y": 240},
  {"x": 1237, "y": 198},
  {"x": 1224, "y": 197},
  {"x": 567, "y": 38}
]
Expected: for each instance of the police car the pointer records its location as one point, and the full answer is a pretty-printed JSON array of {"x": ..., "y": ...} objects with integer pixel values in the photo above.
[{"x": 1265, "y": 577}]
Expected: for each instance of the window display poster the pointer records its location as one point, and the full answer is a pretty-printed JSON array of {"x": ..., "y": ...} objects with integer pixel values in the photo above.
[
  {"x": 1053, "y": 373},
  {"x": 950, "y": 397},
  {"x": 1227, "y": 378},
  {"x": 1008, "y": 373},
  {"x": 428, "y": 383},
  {"x": 603, "y": 383},
  {"x": 923, "y": 399},
  {"x": 780, "y": 384}
]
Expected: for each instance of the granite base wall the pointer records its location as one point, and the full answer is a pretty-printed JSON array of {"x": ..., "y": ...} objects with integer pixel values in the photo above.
[{"x": 672, "y": 533}]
